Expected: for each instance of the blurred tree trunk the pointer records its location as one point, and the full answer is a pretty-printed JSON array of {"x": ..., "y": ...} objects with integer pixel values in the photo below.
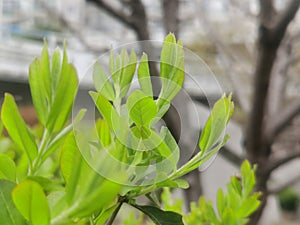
[
  {"x": 171, "y": 24},
  {"x": 272, "y": 29},
  {"x": 170, "y": 16}
]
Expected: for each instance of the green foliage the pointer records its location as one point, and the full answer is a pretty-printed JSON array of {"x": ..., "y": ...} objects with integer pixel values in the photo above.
[
  {"x": 8, "y": 212},
  {"x": 233, "y": 207},
  {"x": 289, "y": 200},
  {"x": 7, "y": 168},
  {"x": 52, "y": 180},
  {"x": 17, "y": 128}
]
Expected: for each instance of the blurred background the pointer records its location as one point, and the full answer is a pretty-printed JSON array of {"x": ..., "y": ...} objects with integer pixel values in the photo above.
[{"x": 251, "y": 47}]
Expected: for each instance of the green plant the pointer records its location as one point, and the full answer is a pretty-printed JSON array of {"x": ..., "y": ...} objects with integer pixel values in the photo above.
[
  {"x": 232, "y": 208},
  {"x": 76, "y": 174},
  {"x": 289, "y": 200}
]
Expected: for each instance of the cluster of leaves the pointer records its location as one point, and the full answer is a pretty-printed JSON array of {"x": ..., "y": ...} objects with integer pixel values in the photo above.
[
  {"x": 50, "y": 182},
  {"x": 232, "y": 208}
]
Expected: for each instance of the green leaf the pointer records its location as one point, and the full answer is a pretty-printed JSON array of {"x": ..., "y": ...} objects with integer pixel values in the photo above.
[
  {"x": 178, "y": 183},
  {"x": 64, "y": 97},
  {"x": 55, "y": 70},
  {"x": 68, "y": 159},
  {"x": 171, "y": 69},
  {"x": 81, "y": 179},
  {"x": 163, "y": 107},
  {"x": 221, "y": 201},
  {"x": 229, "y": 217},
  {"x": 40, "y": 87},
  {"x": 199, "y": 159},
  {"x": 118, "y": 69},
  {"x": 38, "y": 92},
  {"x": 8, "y": 212},
  {"x": 236, "y": 185},
  {"x": 103, "y": 195},
  {"x": 160, "y": 217},
  {"x": 248, "y": 180},
  {"x": 45, "y": 72},
  {"x": 144, "y": 75},
  {"x": 47, "y": 184},
  {"x": 31, "y": 201},
  {"x": 57, "y": 202},
  {"x": 172, "y": 145},
  {"x": 103, "y": 132},
  {"x": 102, "y": 83},
  {"x": 17, "y": 128},
  {"x": 122, "y": 70},
  {"x": 168, "y": 53},
  {"x": 127, "y": 73},
  {"x": 210, "y": 214},
  {"x": 142, "y": 108},
  {"x": 112, "y": 65},
  {"x": 216, "y": 123},
  {"x": 106, "y": 109},
  {"x": 7, "y": 168},
  {"x": 248, "y": 206}
]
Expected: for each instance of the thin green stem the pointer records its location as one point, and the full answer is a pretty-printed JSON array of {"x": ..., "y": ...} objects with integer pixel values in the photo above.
[
  {"x": 143, "y": 192},
  {"x": 43, "y": 145}
]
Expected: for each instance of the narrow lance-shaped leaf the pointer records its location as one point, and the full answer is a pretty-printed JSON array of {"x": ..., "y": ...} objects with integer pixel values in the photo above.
[
  {"x": 31, "y": 201},
  {"x": 103, "y": 132},
  {"x": 76, "y": 177},
  {"x": 163, "y": 107},
  {"x": 68, "y": 158},
  {"x": 168, "y": 53},
  {"x": 171, "y": 69},
  {"x": 221, "y": 201},
  {"x": 106, "y": 109},
  {"x": 127, "y": 73},
  {"x": 216, "y": 123},
  {"x": 144, "y": 75},
  {"x": 248, "y": 206},
  {"x": 64, "y": 97},
  {"x": 45, "y": 72},
  {"x": 102, "y": 83},
  {"x": 17, "y": 128},
  {"x": 118, "y": 69},
  {"x": 229, "y": 217},
  {"x": 9, "y": 214},
  {"x": 248, "y": 175},
  {"x": 112, "y": 66},
  {"x": 171, "y": 143},
  {"x": 38, "y": 93},
  {"x": 55, "y": 70}
]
